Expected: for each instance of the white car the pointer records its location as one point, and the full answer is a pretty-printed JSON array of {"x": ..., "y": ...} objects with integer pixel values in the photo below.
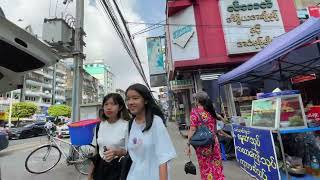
[
  {"x": 62, "y": 131},
  {"x": 21, "y": 52}
]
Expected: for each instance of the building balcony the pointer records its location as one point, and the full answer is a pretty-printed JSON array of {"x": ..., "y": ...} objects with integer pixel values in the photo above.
[
  {"x": 60, "y": 80},
  {"x": 34, "y": 83},
  {"x": 17, "y": 91},
  {"x": 47, "y": 85},
  {"x": 48, "y": 76},
  {"x": 60, "y": 71},
  {"x": 60, "y": 98},
  {"x": 46, "y": 95},
  {"x": 60, "y": 89},
  {"x": 33, "y": 93},
  {"x": 40, "y": 72}
]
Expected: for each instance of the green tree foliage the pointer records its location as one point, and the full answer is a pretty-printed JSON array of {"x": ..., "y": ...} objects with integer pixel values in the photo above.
[
  {"x": 59, "y": 110},
  {"x": 23, "y": 110}
]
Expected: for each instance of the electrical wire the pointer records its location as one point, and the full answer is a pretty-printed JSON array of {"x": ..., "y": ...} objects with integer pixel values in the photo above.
[
  {"x": 202, "y": 25},
  {"x": 55, "y": 13},
  {"x": 66, "y": 8},
  {"x": 147, "y": 29},
  {"x": 124, "y": 37},
  {"x": 50, "y": 9}
]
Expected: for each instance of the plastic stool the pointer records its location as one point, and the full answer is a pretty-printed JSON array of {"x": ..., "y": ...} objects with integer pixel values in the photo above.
[{"x": 223, "y": 152}]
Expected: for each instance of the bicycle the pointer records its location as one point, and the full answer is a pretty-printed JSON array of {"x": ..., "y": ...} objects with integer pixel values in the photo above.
[{"x": 51, "y": 153}]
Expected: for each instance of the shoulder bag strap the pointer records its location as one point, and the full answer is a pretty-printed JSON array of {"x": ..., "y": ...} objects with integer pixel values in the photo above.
[{"x": 97, "y": 132}]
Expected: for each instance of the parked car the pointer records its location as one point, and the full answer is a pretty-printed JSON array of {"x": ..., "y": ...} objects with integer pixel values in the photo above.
[
  {"x": 30, "y": 130},
  {"x": 63, "y": 131},
  {"x": 4, "y": 139}
]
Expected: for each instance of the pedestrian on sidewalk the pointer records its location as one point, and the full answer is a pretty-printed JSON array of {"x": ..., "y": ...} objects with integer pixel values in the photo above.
[
  {"x": 110, "y": 136},
  {"x": 209, "y": 157},
  {"x": 149, "y": 144}
]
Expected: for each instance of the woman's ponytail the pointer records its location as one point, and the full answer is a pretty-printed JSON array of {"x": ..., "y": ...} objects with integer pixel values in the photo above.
[{"x": 208, "y": 106}]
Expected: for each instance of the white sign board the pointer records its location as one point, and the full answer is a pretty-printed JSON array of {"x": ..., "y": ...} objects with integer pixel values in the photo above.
[
  {"x": 183, "y": 35},
  {"x": 250, "y": 25}
]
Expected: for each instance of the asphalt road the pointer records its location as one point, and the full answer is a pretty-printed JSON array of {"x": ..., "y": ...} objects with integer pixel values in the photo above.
[{"x": 13, "y": 158}]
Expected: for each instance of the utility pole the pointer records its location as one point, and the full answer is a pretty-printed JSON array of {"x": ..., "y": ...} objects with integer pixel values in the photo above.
[
  {"x": 78, "y": 61},
  {"x": 10, "y": 109},
  {"x": 54, "y": 84},
  {"x": 23, "y": 89}
]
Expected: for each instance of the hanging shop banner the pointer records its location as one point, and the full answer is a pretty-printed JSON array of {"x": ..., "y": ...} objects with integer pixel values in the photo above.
[
  {"x": 250, "y": 25},
  {"x": 155, "y": 55},
  {"x": 255, "y": 151}
]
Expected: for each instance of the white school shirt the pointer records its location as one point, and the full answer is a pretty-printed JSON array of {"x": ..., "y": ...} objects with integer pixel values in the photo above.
[
  {"x": 112, "y": 135},
  {"x": 149, "y": 150}
]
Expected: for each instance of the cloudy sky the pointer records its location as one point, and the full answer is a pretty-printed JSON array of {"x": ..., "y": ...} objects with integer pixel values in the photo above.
[{"x": 102, "y": 41}]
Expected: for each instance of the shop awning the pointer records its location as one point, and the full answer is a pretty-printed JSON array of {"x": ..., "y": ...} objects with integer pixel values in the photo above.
[{"x": 294, "y": 53}]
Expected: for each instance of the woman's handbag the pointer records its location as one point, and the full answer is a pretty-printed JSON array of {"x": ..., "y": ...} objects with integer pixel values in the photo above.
[
  {"x": 190, "y": 168},
  {"x": 125, "y": 162},
  {"x": 203, "y": 136}
]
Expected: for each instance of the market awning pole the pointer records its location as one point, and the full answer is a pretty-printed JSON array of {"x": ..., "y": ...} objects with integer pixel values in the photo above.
[{"x": 283, "y": 155}]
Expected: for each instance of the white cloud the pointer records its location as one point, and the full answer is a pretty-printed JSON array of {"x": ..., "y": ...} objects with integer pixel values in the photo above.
[{"x": 102, "y": 41}]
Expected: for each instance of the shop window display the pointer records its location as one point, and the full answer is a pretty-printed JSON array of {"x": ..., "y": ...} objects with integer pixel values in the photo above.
[
  {"x": 291, "y": 113},
  {"x": 264, "y": 113},
  {"x": 278, "y": 112}
]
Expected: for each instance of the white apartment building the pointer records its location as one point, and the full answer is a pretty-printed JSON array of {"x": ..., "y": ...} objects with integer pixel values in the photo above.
[{"x": 39, "y": 88}]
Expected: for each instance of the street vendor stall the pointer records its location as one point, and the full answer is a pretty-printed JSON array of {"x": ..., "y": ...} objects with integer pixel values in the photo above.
[{"x": 279, "y": 119}]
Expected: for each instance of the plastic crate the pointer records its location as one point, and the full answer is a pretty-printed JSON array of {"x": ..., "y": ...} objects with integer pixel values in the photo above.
[{"x": 81, "y": 132}]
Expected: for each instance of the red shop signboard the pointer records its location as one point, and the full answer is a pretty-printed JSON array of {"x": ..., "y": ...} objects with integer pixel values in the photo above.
[
  {"x": 314, "y": 11},
  {"x": 303, "y": 78},
  {"x": 314, "y": 113}
]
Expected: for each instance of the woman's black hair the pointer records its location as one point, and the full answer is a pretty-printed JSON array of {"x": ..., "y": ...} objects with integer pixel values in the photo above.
[
  {"x": 207, "y": 104},
  {"x": 117, "y": 99},
  {"x": 151, "y": 107}
]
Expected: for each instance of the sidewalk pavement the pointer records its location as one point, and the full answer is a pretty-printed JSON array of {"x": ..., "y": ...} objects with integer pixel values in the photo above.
[
  {"x": 12, "y": 164},
  {"x": 231, "y": 169}
]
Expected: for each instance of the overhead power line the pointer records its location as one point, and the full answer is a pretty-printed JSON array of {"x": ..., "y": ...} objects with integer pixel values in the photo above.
[
  {"x": 149, "y": 28},
  {"x": 203, "y": 25},
  {"x": 124, "y": 35}
]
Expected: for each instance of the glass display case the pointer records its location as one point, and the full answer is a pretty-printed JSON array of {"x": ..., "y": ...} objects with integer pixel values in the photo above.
[{"x": 278, "y": 112}]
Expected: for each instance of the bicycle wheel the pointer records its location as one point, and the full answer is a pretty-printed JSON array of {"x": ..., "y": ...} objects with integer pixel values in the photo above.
[
  {"x": 43, "y": 159},
  {"x": 82, "y": 156}
]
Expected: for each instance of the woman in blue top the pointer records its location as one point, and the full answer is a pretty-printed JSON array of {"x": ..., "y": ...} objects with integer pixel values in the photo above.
[{"x": 148, "y": 144}]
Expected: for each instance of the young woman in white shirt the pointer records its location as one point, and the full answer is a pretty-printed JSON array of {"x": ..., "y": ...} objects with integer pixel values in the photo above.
[
  {"x": 149, "y": 144},
  {"x": 110, "y": 139}
]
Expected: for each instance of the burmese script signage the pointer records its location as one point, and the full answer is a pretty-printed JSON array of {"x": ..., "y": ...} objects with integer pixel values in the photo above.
[
  {"x": 250, "y": 25},
  {"x": 255, "y": 152}
]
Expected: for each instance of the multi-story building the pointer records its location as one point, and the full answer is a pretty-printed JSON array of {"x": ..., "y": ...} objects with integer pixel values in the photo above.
[
  {"x": 92, "y": 89},
  {"x": 102, "y": 72},
  {"x": 121, "y": 92},
  {"x": 39, "y": 88},
  {"x": 208, "y": 38}
]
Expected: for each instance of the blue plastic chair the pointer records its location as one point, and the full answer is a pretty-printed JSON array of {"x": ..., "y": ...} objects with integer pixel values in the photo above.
[{"x": 223, "y": 152}]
